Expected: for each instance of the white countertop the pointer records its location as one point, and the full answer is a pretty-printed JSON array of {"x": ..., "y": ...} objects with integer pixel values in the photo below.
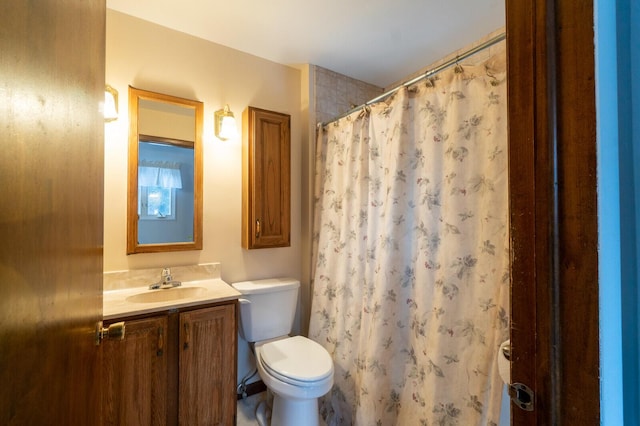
[{"x": 115, "y": 303}]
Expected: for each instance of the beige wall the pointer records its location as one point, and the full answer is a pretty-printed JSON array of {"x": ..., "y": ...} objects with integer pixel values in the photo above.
[{"x": 151, "y": 57}]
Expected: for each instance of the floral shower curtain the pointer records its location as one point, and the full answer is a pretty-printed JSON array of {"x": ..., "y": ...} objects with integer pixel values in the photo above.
[{"x": 411, "y": 255}]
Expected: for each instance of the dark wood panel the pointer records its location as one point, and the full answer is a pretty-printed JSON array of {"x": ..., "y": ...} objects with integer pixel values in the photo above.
[
  {"x": 51, "y": 220},
  {"x": 270, "y": 191},
  {"x": 552, "y": 143},
  {"x": 135, "y": 374},
  {"x": 578, "y": 224},
  {"x": 208, "y": 366},
  {"x": 521, "y": 123}
]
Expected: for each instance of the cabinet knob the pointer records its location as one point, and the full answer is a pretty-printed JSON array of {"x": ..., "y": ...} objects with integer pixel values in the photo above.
[{"x": 257, "y": 228}]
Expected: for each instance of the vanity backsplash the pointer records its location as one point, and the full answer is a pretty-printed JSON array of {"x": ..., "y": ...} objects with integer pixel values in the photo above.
[{"x": 119, "y": 280}]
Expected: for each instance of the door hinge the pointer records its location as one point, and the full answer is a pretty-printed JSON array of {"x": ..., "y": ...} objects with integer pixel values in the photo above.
[{"x": 522, "y": 396}]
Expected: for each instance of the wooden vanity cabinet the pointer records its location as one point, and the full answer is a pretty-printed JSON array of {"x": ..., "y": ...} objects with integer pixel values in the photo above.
[
  {"x": 266, "y": 179},
  {"x": 135, "y": 374},
  {"x": 207, "y": 375},
  {"x": 176, "y": 368}
]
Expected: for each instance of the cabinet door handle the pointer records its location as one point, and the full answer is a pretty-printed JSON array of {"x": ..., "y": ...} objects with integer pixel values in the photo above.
[
  {"x": 185, "y": 345},
  {"x": 160, "y": 350},
  {"x": 257, "y": 228},
  {"x": 115, "y": 331}
]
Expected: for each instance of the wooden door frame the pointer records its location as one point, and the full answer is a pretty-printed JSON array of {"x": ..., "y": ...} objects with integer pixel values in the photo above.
[{"x": 553, "y": 210}]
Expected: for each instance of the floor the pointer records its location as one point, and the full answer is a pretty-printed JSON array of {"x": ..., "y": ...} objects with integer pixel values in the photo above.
[{"x": 247, "y": 409}]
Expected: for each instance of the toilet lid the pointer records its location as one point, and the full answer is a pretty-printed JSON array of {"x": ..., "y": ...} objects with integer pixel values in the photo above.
[{"x": 297, "y": 358}]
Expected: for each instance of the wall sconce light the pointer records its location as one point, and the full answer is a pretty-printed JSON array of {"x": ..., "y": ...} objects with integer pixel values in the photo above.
[
  {"x": 110, "y": 103},
  {"x": 225, "y": 124}
]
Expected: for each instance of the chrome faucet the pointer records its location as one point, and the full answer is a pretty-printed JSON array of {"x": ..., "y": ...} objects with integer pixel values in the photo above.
[
  {"x": 166, "y": 276},
  {"x": 166, "y": 281}
]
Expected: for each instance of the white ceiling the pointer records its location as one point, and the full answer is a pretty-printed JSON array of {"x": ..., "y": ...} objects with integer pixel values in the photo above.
[{"x": 377, "y": 41}]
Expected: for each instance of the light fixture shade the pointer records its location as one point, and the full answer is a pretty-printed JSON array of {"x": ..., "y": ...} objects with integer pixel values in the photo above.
[
  {"x": 225, "y": 124},
  {"x": 228, "y": 128},
  {"x": 110, "y": 103}
]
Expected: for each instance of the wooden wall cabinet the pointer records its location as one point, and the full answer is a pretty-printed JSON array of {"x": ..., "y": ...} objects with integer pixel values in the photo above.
[
  {"x": 266, "y": 179},
  {"x": 176, "y": 368}
]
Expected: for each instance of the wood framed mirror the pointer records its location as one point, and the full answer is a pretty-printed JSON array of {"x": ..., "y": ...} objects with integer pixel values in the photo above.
[{"x": 164, "y": 199}]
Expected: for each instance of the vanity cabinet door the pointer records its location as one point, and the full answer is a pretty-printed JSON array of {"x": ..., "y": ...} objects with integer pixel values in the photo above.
[
  {"x": 208, "y": 366},
  {"x": 266, "y": 179},
  {"x": 135, "y": 374}
]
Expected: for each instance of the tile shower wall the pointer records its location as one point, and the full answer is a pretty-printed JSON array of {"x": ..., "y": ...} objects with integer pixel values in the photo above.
[{"x": 336, "y": 94}]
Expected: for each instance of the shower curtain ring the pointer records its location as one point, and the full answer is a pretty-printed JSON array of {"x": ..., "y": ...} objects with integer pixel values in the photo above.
[{"x": 458, "y": 68}]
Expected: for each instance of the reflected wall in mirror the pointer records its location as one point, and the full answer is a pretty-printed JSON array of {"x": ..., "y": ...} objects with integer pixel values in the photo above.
[{"x": 164, "y": 203}]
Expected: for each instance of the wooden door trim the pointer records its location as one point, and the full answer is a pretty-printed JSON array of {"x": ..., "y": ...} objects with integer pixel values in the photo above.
[
  {"x": 521, "y": 130},
  {"x": 553, "y": 209}
]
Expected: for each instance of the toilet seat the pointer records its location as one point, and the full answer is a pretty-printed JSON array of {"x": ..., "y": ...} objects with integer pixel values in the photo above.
[{"x": 296, "y": 360}]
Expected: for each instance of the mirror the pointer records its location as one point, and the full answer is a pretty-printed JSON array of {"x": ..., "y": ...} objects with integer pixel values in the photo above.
[{"x": 164, "y": 202}]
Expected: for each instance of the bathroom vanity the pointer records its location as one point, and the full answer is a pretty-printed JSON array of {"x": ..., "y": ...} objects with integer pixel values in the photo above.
[{"x": 178, "y": 359}]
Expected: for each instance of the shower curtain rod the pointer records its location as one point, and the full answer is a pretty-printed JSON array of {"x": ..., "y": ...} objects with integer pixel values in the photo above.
[{"x": 426, "y": 74}]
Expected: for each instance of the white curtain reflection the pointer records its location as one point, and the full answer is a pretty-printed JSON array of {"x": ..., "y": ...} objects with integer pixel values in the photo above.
[{"x": 162, "y": 174}]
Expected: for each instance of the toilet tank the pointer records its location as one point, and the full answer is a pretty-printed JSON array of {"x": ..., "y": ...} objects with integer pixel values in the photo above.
[{"x": 267, "y": 307}]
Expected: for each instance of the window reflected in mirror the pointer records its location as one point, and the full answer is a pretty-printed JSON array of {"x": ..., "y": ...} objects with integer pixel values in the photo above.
[{"x": 165, "y": 191}]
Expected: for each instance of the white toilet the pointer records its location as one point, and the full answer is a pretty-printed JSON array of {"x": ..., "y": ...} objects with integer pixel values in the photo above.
[{"x": 296, "y": 370}]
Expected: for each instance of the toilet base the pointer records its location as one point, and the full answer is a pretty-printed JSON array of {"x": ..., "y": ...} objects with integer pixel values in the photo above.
[{"x": 294, "y": 412}]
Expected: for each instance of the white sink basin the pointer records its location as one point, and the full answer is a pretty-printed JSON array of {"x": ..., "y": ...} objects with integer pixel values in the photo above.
[
  {"x": 119, "y": 303},
  {"x": 166, "y": 295}
]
